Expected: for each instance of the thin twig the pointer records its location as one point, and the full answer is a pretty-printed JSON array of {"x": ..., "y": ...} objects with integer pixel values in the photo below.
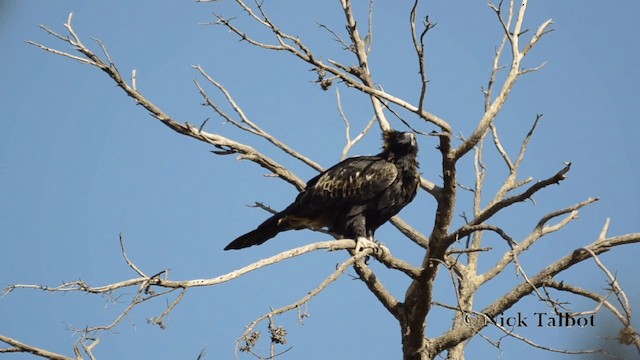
[{"x": 126, "y": 258}]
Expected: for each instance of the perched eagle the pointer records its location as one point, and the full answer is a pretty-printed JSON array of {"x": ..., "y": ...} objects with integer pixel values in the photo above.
[{"x": 351, "y": 199}]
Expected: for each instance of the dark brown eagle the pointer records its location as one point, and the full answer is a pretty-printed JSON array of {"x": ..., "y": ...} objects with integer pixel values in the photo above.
[{"x": 351, "y": 199}]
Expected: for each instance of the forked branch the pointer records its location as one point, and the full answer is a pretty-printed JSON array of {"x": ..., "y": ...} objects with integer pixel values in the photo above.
[
  {"x": 357, "y": 77},
  {"x": 513, "y": 33}
]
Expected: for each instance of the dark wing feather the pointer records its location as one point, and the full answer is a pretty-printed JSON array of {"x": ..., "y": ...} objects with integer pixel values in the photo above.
[{"x": 353, "y": 180}]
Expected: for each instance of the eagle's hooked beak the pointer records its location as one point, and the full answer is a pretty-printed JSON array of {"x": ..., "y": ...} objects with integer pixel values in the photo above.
[{"x": 410, "y": 138}]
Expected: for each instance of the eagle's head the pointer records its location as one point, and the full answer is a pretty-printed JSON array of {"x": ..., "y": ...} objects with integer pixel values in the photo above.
[{"x": 400, "y": 144}]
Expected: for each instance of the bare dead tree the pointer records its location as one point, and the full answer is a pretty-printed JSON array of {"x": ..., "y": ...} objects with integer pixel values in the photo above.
[{"x": 440, "y": 254}]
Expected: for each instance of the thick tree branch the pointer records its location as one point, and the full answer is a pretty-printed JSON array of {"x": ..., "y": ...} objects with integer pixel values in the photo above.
[
  {"x": 410, "y": 232},
  {"x": 418, "y": 297},
  {"x": 377, "y": 288},
  {"x": 19, "y": 346}
]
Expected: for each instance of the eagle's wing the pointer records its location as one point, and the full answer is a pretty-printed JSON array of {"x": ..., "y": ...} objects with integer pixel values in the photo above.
[{"x": 353, "y": 180}]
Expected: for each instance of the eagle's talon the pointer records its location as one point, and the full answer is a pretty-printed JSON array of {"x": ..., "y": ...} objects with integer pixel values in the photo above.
[
  {"x": 379, "y": 249},
  {"x": 382, "y": 250},
  {"x": 364, "y": 243}
]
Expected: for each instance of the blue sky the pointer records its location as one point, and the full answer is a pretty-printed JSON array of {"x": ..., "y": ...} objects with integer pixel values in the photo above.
[{"x": 81, "y": 163}]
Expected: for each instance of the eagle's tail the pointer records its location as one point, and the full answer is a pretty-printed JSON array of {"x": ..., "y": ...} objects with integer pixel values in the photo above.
[{"x": 268, "y": 229}]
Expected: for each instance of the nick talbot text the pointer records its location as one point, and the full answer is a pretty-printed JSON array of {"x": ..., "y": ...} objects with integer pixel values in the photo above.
[{"x": 536, "y": 319}]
